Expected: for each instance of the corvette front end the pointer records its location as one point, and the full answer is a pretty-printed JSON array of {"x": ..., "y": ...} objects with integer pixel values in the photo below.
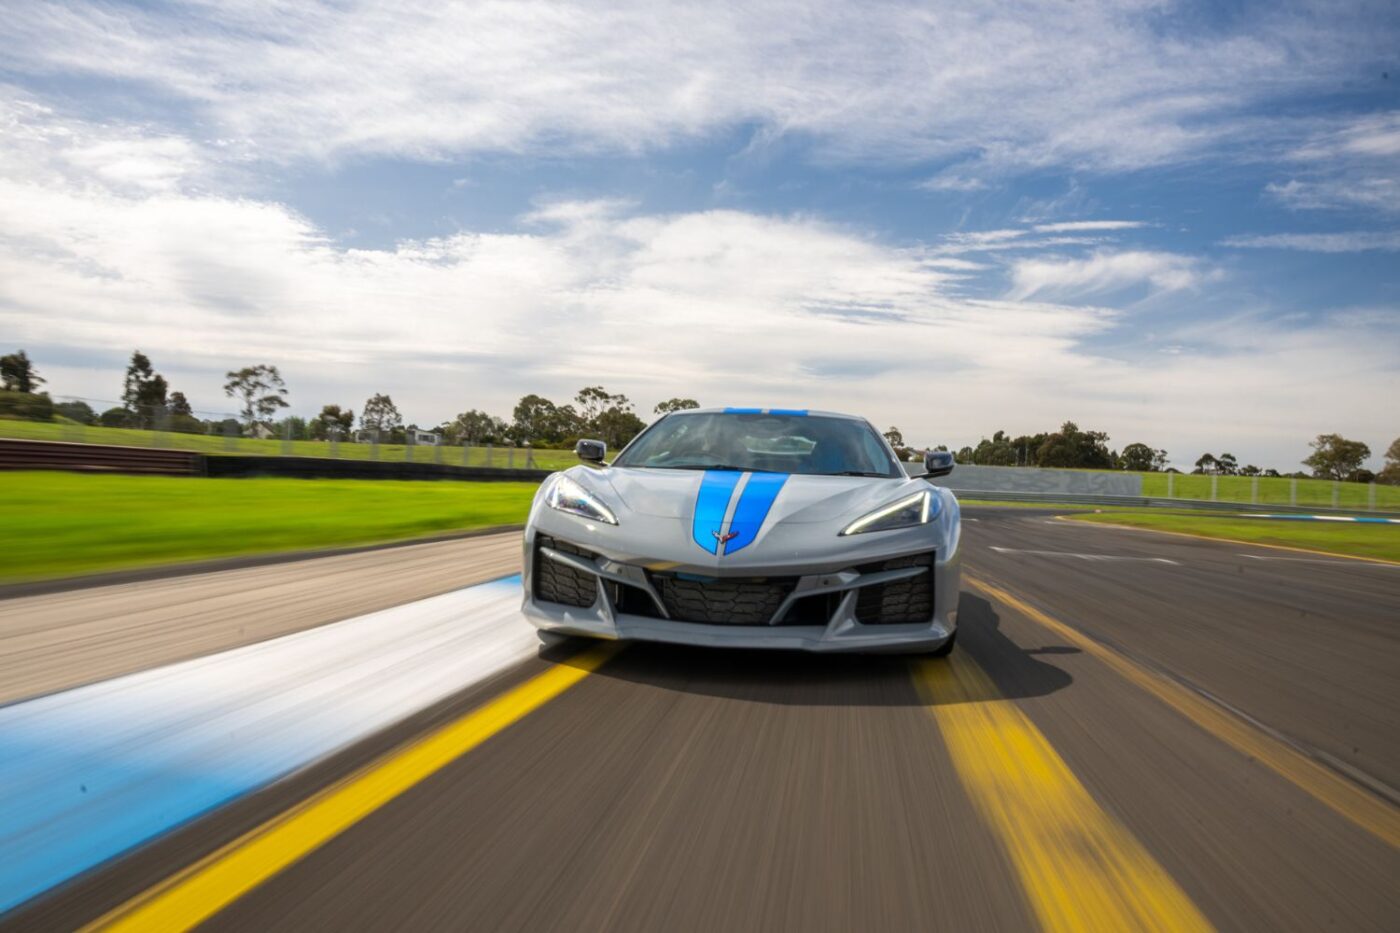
[{"x": 745, "y": 558}]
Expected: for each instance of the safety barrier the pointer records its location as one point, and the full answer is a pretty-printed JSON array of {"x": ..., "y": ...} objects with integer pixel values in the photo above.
[{"x": 96, "y": 458}]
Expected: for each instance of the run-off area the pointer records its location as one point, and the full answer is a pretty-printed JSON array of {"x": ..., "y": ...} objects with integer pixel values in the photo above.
[{"x": 92, "y": 772}]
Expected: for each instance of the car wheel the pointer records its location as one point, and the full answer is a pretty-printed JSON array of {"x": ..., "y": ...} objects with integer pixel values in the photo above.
[{"x": 945, "y": 649}]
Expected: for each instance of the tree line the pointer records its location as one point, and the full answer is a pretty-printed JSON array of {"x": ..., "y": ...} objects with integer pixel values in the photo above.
[
  {"x": 1333, "y": 457},
  {"x": 148, "y": 402}
]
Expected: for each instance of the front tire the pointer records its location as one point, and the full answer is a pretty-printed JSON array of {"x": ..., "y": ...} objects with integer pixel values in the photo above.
[{"x": 945, "y": 649}]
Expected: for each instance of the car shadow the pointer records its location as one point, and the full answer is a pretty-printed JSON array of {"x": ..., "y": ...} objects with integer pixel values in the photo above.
[{"x": 798, "y": 678}]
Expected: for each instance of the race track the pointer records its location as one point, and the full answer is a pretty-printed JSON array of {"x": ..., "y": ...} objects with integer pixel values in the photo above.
[{"x": 1136, "y": 731}]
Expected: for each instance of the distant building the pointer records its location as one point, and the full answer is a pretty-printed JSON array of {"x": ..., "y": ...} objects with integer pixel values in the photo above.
[{"x": 424, "y": 438}]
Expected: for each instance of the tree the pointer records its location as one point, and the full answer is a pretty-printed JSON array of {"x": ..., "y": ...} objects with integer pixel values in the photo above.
[
  {"x": 1335, "y": 457},
  {"x": 17, "y": 373},
  {"x": 261, "y": 389},
  {"x": 1071, "y": 447},
  {"x": 1390, "y": 473},
  {"x": 179, "y": 405},
  {"x": 676, "y": 404},
  {"x": 333, "y": 421},
  {"x": 475, "y": 427},
  {"x": 1250, "y": 469},
  {"x": 533, "y": 418},
  {"x": 381, "y": 416},
  {"x": 895, "y": 437},
  {"x": 616, "y": 426},
  {"x": 143, "y": 391},
  {"x": 1206, "y": 463},
  {"x": 1139, "y": 457},
  {"x": 594, "y": 400},
  {"x": 1227, "y": 465}
]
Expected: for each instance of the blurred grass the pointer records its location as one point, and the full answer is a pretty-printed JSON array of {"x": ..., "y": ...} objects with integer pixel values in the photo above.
[
  {"x": 1273, "y": 490},
  {"x": 58, "y": 524},
  {"x": 73, "y": 432},
  {"x": 1354, "y": 538}
]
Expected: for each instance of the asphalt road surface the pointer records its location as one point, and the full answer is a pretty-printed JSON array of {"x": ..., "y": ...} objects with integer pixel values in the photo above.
[{"x": 1136, "y": 731}]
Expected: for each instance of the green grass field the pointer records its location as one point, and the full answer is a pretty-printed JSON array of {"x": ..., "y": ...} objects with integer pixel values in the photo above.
[
  {"x": 58, "y": 524},
  {"x": 214, "y": 444},
  {"x": 1358, "y": 539},
  {"x": 1272, "y": 491}
]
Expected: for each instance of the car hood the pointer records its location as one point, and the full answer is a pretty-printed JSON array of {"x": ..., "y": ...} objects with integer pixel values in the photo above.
[{"x": 801, "y": 498}]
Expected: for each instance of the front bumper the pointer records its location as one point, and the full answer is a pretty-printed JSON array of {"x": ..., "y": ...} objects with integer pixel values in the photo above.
[{"x": 820, "y": 611}]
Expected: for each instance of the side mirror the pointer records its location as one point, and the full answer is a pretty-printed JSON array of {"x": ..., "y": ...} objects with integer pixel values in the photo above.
[
  {"x": 591, "y": 451},
  {"x": 938, "y": 463}
]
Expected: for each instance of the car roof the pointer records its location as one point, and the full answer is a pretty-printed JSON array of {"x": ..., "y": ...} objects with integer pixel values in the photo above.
[{"x": 734, "y": 410}]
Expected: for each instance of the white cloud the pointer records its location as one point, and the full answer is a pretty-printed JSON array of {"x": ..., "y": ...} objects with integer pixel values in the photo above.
[
  {"x": 1103, "y": 272},
  {"x": 1352, "y": 163},
  {"x": 960, "y": 183},
  {"x": 724, "y": 306},
  {"x": 1352, "y": 242},
  {"x": 1012, "y": 84},
  {"x": 1086, "y": 226},
  {"x": 1344, "y": 191}
]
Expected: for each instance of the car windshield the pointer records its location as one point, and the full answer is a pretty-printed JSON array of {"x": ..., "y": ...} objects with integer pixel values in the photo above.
[{"x": 775, "y": 443}]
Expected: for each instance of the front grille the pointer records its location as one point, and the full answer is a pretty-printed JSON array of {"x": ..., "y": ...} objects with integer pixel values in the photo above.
[
  {"x": 899, "y": 601},
  {"x": 739, "y": 601},
  {"x": 559, "y": 583}
]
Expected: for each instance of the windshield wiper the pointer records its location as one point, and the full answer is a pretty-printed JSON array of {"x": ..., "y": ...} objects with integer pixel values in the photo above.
[{"x": 854, "y": 473}]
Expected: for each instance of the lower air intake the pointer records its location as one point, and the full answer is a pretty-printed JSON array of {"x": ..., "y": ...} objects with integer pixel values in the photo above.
[
  {"x": 747, "y": 601},
  {"x": 899, "y": 601},
  {"x": 560, "y": 583}
]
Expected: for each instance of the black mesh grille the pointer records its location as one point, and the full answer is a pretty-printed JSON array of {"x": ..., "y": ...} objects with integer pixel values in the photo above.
[
  {"x": 907, "y": 600},
  {"x": 558, "y": 583},
  {"x": 744, "y": 601}
]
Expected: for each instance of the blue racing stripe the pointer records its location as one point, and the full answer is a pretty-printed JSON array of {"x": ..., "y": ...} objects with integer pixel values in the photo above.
[
  {"x": 749, "y": 514},
  {"x": 710, "y": 505},
  {"x": 799, "y": 412},
  {"x": 743, "y": 411}
]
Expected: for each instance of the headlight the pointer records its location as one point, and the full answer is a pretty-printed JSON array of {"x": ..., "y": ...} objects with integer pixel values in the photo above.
[
  {"x": 907, "y": 512},
  {"x": 568, "y": 496}
]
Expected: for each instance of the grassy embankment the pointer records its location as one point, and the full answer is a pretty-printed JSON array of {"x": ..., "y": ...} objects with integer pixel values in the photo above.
[
  {"x": 1352, "y": 538},
  {"x": 248, "y": 446},
  {"x": 58, "y": 524}
]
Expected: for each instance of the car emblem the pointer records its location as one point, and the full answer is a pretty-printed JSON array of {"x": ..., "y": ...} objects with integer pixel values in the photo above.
[{"x": 725, "y": 538}]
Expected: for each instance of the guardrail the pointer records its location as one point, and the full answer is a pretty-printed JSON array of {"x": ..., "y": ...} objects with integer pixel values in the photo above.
[
  {"x": 94, "y": 458},
  {"x": 101, "y": 458}
]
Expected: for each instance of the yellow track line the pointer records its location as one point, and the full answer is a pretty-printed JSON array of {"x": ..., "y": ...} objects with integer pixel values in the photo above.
[
  {"x": 201, "y": 890},
  {"x": 1187, "y": 534},
  {"x": 1079, "y": 867},
  {"x": 1371, "y": 813}
]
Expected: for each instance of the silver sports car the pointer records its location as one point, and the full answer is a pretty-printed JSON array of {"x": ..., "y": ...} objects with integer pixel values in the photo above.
[{"x": 748, "y": 527}]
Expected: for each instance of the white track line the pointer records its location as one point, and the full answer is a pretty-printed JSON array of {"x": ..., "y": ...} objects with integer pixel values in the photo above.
[
  {"x": 1322, "y": 560},
  {"x": 1103, "y": 557}
]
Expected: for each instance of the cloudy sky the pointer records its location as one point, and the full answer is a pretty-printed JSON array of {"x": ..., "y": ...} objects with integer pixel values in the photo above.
[{"x": 1176, "y": 222}]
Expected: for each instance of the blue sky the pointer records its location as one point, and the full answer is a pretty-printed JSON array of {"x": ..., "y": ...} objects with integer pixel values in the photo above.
[{"x": 1179, "y": 223}]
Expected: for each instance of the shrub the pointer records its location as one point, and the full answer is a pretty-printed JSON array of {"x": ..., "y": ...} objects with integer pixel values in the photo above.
[
  {"x": 117, "y": 418},
  {"x": 26, "y": 406},
  {"x": 81, "y": 412}
]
